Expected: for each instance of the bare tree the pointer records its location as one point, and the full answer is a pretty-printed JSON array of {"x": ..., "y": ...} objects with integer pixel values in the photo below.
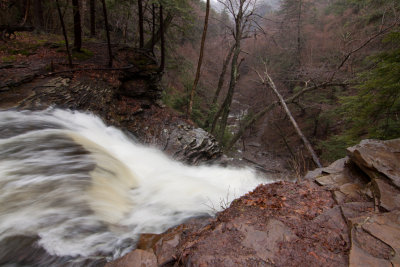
[
  {"x": 77, "y": 26},
  {"x": 329, "y": 82},
  {"x": 64, "y": 33},
  {"x": 153, "y": 26},
  {"x": 162, "y": 32},
  {"x": 268, "y": 80},
  {"x": 92, "y": 4},
  {"x": 243, "y": 13},
  {"x": 221, "y": 79},
  {"x": 141, "y": 34},
  {"x": 27, "y": 8},
  {"x": 221, "y": 82},
  {"x": 38, "y": 14},
  {"x": 110, "y": 58},
  {"x": 197, "y": 78},
  {"x": 293, "y": 19},
  {"x": 157, "y": 36}
]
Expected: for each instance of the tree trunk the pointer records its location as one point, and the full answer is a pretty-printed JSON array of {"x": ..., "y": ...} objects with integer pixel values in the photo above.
[
  {"x": 299, "y": 33},
  {"x": 110, "y": 58},
  {"x": 226, "y": 107},
  {"x": 83, "y": 8},
  {"x": 197, "y": 78},
  {"x": 153, "y": 28},
  {"x": 293, "y": 121},
  {"x": 166, "y": 23},
  {"x": 92, "y": 18},
  {"x": 77, "y": 26},
  {"x": 141, "y": 34},
  {"x": 65, "y": 34},
  {"x": 221, "y": 80},
  {"x": 38, "y": 14},
  {"x": 27, "y": 8},
  {"x": 162, "y": 32},
  {"x": 268, "y": 108}
]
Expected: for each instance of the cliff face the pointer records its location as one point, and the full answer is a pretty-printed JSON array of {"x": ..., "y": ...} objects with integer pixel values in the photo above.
[{"x": 345, "y": 214}]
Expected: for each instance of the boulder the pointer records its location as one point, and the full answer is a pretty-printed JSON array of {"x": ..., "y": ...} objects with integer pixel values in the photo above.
[
  {"x": 142, "y": 80},
  {"x": 377, "y": 157},
  {"x": 192, "y": 145},
  {"x": 376, "y": 240},
  {"x": 389, "y": 196},
  {"x": 137, "y": 258},
  {"x": 165, "y": 248}
]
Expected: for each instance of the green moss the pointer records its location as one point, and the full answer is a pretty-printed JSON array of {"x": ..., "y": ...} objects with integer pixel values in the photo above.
[
  {"x": 11, "y": 58},
  {"x": 22, "y": 49},
  {"x": 84, "y": 54},
  {"x": 335, "y": 147}
]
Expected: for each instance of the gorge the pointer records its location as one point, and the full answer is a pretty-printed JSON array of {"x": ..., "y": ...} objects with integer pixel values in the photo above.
[{"x": 114, "y": 152}]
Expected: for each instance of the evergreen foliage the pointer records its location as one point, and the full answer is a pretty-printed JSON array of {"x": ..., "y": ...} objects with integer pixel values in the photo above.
[{"x": 374, "y": 112}]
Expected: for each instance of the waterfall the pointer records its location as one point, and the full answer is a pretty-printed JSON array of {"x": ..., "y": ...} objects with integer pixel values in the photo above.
[{"x": 73, "y": 190}]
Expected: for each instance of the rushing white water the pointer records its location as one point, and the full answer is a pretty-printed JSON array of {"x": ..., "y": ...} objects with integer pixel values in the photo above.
[{"x": 81, "y": 190}]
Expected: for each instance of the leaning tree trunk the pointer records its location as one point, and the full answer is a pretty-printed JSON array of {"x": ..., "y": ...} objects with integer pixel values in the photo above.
[
  {"x": 110, "y": 58},
  {"x": 65, "y": 34},
  {"x": 77, "y": 26},
  {"x": 293, "y": 121},
  {"x": 197, "y": 78}
]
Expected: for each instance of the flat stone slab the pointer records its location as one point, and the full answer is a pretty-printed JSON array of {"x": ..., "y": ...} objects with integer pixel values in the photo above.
[
  {"x": 389, "y": 196},
  {"x": 336, "y": 167},
  {"x": 386, "y": 227},
  {"x": 378, "y": 156},
  {"x": 334, "y": 180},
  {"x": 375, "y": 240}
]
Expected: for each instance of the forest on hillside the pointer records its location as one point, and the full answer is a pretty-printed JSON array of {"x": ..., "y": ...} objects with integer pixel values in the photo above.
[{"x": 334, "y": 63}]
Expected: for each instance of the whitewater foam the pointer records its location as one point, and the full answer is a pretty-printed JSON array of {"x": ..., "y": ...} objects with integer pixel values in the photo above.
[{"x": 85, "y": 189}]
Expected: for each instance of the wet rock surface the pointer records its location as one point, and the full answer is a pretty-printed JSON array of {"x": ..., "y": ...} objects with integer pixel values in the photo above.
[{"x": 340, "y": 215}]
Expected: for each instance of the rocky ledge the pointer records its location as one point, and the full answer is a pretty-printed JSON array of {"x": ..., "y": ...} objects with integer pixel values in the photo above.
[
  {"x": 128, "y": 98},
  {"x": 347, "y": 214}
]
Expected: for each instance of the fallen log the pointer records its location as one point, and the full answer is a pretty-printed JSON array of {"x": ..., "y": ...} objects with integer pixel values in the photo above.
[{"x": 8, "y": 31}]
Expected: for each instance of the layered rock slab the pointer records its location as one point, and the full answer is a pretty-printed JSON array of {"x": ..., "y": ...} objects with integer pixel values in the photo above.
[{"x": 282, "y": 224}]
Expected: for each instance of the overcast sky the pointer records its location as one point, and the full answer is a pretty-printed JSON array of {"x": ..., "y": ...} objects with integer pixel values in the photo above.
[{"x": 217, "y": 6}]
